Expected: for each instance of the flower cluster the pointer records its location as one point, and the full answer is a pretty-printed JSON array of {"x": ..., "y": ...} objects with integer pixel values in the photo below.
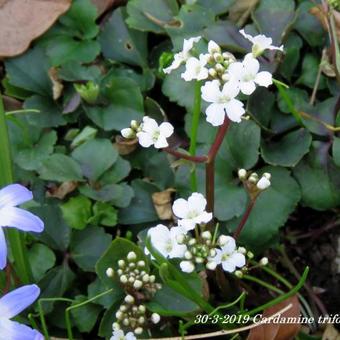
[
  {"x": 133, "y": 274},
  {"x": 177, "y": 242},
  {"x": 149, "y": 132},
  {"x": 225, "y": 77},
  {"x": 253, "y": 183}
]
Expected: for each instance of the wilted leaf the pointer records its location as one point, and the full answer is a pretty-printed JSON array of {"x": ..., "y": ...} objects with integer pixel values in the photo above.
[
  {"x": 103, "y": 5},
  {"x": 125, "y": 146},
  {"x": 21, "y": 21},
  {"x": 162, "y": 203},
  {"x": 278, "y": 331},
  {"x": 240, "y": 10},
  {"x": 331, "y": 333},
  {"x": 57, "y": 85},
  {"x": 62, "y": 190}
]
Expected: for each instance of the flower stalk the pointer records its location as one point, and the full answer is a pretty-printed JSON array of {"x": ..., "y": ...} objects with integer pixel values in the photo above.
[{"x": 16, "y": 240}]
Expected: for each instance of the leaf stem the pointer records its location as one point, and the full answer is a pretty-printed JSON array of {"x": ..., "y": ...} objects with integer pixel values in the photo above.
[
  {"x": 16, "y": 240},
  {"x": 196, "y": 159},
  {"x": 244, "y": 218},
  {"x": 194, "y": 129}
]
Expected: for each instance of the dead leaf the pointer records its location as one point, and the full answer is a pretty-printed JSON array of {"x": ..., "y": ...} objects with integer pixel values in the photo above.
[
  {"x": 162, "y": 203},
  {"x": 278, "y": 331},
  {"x": 241, "y": 10},
  {"x": 103, "y": 5},
  {"x": 331, "y": 333},
  {"x": 125, "y": 146},
  {"x": 21, "y": 21},
  {"x": 57, "y": 85},
  {"x": 61, "y": 191}
]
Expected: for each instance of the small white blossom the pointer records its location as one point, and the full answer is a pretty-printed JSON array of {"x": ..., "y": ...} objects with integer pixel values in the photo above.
[
  {"x": 191, "y": 211},
  {"x": 223, "y": 102},
  {"x": 260, "y": 43},
  {"x": 263, "y": 183},
  {"x": 118, "y": 334},
  {"x": 164, "y": 240},
  {"x": 228, "y": 256},
  {"x": 195, "y": 68},
  {"x": 152, "y": 134},
  {"x": 183, "y": 56},
  {"x": 187, "y": 266},
  {"x": 247, "y": 75}
]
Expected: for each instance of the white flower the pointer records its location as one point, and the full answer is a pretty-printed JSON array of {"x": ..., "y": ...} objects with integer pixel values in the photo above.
[
  {"x": 223, "y": 102},
  {"x": 247, "y": 74},
  {"x": 164, "y": 240},
  {"x": 213, "y": 47},
  {"x": 191, "y": 211},
  {"x": 194, "y": 68},
  {"x": 229, "y": 256},
  {"x": 187, "y": 266},
  {"x": 263, "y": 183},
  {"x": 260, "y": 43},
  {"x": 183, "y": 56},
  {"x": 118, "y": 334},
  {"x": 152, "y": 134}
]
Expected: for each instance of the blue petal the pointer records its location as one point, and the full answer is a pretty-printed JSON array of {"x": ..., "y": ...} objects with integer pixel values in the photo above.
[
  {"x": 14, "y": 194},
  {"x": 17, "y": 300},
  {"x": 3, "y": 250},
  {"x": 20, "y": 219},
  {"x": 12, "y": 330}
]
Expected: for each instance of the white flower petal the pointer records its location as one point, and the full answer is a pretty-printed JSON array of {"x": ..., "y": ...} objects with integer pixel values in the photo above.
[
  {"x": 251, "y": 65},
  {"x": 187, "y": 224},
  {"x": 166, "y": 129},
  {"x": 235, "y": 110},
  {"x": 247, "y": 87},
  {"x": 187, "y": 266},
  {"x": 197, "y": 202},
  {"x": 180, "y": 208},
  {"x": 215, "y": 114},
  {"x": 211, "y": 92},
  {"x": 149, "y": 125},
  {"x": 264, "y": 78},
  {"x": 229, "y": 245},
  {"x": 228, "y": 266},
  {"x": 144, "y": 139},
  {"x": 14, "y": 194},
  {"x": 213, "y": 47},
  {"x": 205, "y": 217},
  {"x": 231, "y": 89},
  {"x": 238, "y": 259},
  {"x": 247, "y": 36},
  {"x": 161, "y": 142}
]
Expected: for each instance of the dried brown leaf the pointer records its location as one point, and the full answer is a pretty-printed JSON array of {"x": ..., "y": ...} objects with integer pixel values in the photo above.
[
  {"x": 125, "y": 146},
  {"x": 278, "y": 331},
  {"x": 240, "y": 11},
  {"x": 331, "y": 333},
  {"x": 62, "y": 190},
  {"x": 57, "y": 85},
  {"x": 103, "y": 5},
  {"x": 21, "y": 21},
  {"x": 162, "y": 203}
]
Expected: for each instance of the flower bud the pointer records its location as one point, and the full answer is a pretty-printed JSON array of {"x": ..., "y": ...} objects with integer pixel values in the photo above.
[
  {"x": 132, "y": 265},
  {"x": 253, "y": 178},
  {"x": 263, "y": 183},
  {"x": 213, "y": 47},
  {"x": 239, "y": 274},
  {"x": 152, "y": 278},
  {"x": 121, "y": 263},
  {"x": 134, "y": 125},
  {"x": 131, "y": 279},
  {"x": 264, "y": 261},
  {"x": 187, "y": 266},
  {"x": 128, "y": 133},
  {"x": 192, "y": 242},
  {"x": 146, "y": 278},
  {"x": 212, "y": 73},
  {"x": 131, "y": 256},
  {"x": 188, "y": 255},
  {"x": 218, "y": 57},
  {"x": 138, "y": 330},
  {"x": 211, "y": 265},
  {"x": 199, "y": 259},
  {"x": 109, "y": 272},
  {"x": 141, "y": 309},
  {"x": 242, "y": 174},
  {"x": 250, "y": 254},
  {"x": 137, "y": 284},
  {"x": 219, "y": 68},
  {"x": 225, "y": 77},
  {"x": 123, "y": 308},
  {"x": 141, "y": 264},
  {"x": 123, "y": 279},
  {"x": 180, "y": 238},
  {"x": 155, "y": 318},
  {"x": 129, "y": 299},
  {"x": 119, "y": 315},
  {"x": 242, "y": 250},
  {"x": 88, "y": 92},
  {"x": 115, "y": 326},
  {"x": 141, "y": 320},
  {"x": 267, "y": 175},
  {"x": 126, "y": 322},
  {"x": 206, "y": 235}
]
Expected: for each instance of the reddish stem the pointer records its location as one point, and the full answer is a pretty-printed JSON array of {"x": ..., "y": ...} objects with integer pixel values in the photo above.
[
  {"x": 196, "y": 159},
  {"x": 8, "y": 279},
  {"x": 244, "y": 219},
  {"x": 210, "y": 185},
  {"x": 218, "y": 140}
]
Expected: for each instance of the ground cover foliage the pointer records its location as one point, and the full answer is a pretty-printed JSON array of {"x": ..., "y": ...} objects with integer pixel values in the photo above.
[{"x": 79, "y": 84}]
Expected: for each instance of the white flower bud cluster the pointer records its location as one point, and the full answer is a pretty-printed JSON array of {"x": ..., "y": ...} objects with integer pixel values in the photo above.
[
  {"x": 254, "y": 181},
  {"x": 130, "y": 132}
]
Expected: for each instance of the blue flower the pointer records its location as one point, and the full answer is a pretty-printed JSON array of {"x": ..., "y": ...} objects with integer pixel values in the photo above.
[
  {"x": 11, "y": 305},
  {"x": 13, "y": 217}
]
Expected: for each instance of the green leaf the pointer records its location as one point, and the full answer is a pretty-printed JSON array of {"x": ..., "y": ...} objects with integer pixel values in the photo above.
[
  {"x": 30, "y": 158},
  {"x": 336, "y": 150},
  {"x": 125, "y": 104},
  {"x": 64, "y": 49},
  {"x": 148, "y": 15},
  {"x": 95, "y": 157},
  {"x": 119, "y": 195},
  {"x": 80, "y": 19},
  {"x": 118, "y": 250},
  {"x": 298, "y": 97},
  {"x": 75, "y": 71},
  {"x": 30, "y": 72},
  {"x": 57, "y": 233},
  {"x": 308, "y": 25},
  {"x": 217, "y": 6},
  {"x": 122, "y": 44},
  {"x": 104, "y": 214},
  {"x": 319, "y": 180},
  {"x": 41, "y": 259},
  {"x": 241, "y": 145},
  {"x": 167, "y": 302},
  {"x": 85, "y": 317},
  {"x": 190, "y": 22},
  {"x": 273, "y": 18},
  {"x": 49, "y": 114},
  {"x": 141, "y": 209},
  {"x": 87, "y": 246},
  {"x": 60, "y": 168},
  {"x": 271, "y": 210},
  {"x": 287, "y": 151},
  {"x": 76, "y": 211},
  {"x": 105, "y": 327},
  {"x": 120, "y": 169},
  {"x": 310, "y": 67}
]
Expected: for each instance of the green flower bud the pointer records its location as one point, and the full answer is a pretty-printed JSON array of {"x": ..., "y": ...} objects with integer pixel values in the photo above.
[{"x": 88, "y": 92}]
